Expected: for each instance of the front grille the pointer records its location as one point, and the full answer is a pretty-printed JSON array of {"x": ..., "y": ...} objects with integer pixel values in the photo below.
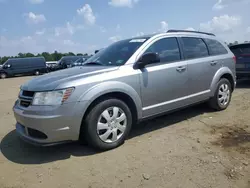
[
  {"x": 28, "y": 93},
  {"x": 26, "y": 98}
]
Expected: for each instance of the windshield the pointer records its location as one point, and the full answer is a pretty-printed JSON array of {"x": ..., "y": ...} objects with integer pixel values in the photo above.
[
  {"x": 81, "y": 60},
  {"x": 116, "y": 54},
  {"x": 68, "y": 60}
]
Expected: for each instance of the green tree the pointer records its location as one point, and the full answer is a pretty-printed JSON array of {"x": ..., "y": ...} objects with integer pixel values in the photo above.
[
  {"x": 56, "y": 56},
  {"x": 3, "y": 59},
  {"x": 29, "y": 55},
  {"x": 21, "y": 55},
  {"x": 47, "y": 56}
]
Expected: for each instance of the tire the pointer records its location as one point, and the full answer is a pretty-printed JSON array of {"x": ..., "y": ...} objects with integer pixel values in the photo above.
[
  {"x": 3, "y": 75},
  {"x": 96, "y": 138},
  {"x": 223, "y": 86}
]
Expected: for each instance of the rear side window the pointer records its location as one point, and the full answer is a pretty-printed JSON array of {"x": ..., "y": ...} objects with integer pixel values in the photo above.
[
  {"x": 167, "y": 48},
  {"x": 194, "y": 48},
  {"x": 215, "y": 47}
]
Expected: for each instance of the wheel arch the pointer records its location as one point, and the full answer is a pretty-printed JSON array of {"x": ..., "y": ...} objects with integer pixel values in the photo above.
[
  {"x": 116, "y": 90},
  {"x": 117, "y": 95},
  {"x": 223, "y": 72}
]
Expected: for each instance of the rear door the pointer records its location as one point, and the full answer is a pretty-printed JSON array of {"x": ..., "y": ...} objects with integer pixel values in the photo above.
[{"x": 199, "y": 69}]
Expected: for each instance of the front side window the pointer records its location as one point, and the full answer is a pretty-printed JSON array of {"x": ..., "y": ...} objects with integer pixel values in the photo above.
[
  {"x": 116, "y": 54},
  {"x": 215, "y": 47},
  {"x": 167, "y": 49},
  {"x": 194, "y": 48}
]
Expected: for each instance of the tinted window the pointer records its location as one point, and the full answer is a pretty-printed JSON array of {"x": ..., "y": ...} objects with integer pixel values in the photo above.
[
  {"x": 167, "y": 48},
  {"x": 194, "y": 48},
  {"x": 243, "y": 49},
  {"x": 215, "y": 47},
  {"x": 13, "y": 63}
]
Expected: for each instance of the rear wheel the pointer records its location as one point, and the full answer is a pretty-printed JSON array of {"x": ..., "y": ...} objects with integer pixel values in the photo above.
[
  {"x": 222, "y": 96},
  {"x": 3, "y": 75},
  {"x": 108, "y": 124}
]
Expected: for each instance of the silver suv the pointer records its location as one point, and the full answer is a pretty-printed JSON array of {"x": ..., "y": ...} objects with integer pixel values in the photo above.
[{"x": 129, "y": 81}]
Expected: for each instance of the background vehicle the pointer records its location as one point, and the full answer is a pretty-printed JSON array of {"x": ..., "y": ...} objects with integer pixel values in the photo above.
[
  {"x": 242, "y": 53},
  {"x": 51, "y": 65},
  {"x": 79, "y": 62},
  {"x": 129, "y": 81},
  {"x": 23, "y": 66},
  {"x": 66, "y": 61}
]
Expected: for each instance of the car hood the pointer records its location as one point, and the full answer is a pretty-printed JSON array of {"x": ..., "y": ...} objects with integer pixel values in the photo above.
[{"x": 52, "y": 80}]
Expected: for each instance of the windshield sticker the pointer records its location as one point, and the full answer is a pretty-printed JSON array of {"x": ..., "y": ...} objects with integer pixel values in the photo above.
[{"x": 137, "y": 40}]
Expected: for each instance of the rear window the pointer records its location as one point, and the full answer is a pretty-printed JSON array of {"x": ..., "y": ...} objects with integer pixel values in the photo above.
[
  {"x": 215, "y": 47},
  {"x": 243, "y": 49},
  {"x": 194, "y": 48}
]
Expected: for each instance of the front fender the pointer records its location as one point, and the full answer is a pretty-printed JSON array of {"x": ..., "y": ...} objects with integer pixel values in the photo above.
[
  {"x": 109, "y": 87},
  {"x": 222, "y": 71}
]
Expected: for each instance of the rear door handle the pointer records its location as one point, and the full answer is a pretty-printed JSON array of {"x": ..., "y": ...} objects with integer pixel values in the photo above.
[
  {"x": 180, "y": 69},
  {"x": 214, "y": 63}
]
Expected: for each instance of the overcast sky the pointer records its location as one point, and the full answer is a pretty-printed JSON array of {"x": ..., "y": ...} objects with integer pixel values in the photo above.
[{"x": 85, "y": 25}]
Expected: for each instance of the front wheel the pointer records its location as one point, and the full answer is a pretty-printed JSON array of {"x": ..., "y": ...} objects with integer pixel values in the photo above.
[
  {"x": 222, "y": 96},
  {"x": 3, "y": 75},
  {"x": 108, "y": 124}
]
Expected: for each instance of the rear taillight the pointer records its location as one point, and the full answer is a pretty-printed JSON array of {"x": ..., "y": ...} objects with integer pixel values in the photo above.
[{"x": 234, "y": 58}]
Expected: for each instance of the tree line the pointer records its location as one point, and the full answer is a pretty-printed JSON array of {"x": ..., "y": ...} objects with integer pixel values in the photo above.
[{"x": 55, "y": 56}]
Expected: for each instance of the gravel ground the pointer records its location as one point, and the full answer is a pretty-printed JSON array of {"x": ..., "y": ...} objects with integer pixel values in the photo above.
[{"x": 192, "y": 148}]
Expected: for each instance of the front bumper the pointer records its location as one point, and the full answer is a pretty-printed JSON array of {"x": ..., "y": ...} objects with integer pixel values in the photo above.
[
  {"x": 20, "y": 129},
  {"x": 49, "y": 125}
]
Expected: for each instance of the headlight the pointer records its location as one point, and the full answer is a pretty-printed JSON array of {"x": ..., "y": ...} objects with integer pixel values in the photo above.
[{"x": 52, "y": 97}]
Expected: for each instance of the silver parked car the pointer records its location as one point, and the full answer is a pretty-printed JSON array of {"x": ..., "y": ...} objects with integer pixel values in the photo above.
[{"x": 129, "y": 81}]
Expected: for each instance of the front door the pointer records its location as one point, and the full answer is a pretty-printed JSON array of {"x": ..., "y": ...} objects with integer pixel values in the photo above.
[{"x": 164, "y": 85}]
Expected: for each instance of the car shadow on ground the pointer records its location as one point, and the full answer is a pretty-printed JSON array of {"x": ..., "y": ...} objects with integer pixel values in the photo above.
[
  {"x": 17, "y": 151},
  {"x": 244, "y": 83}
]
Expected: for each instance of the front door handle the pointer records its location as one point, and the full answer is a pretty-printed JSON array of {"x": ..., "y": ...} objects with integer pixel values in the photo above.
[
  {"x": 214, "y": 63},
  {"x": 180, "y": 69}
]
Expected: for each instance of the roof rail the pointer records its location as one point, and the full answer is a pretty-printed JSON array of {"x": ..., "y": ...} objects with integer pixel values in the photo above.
[{"x": 174, "y": 31}]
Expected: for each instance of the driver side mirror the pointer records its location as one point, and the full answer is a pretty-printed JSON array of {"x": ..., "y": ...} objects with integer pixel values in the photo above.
[{"x": 146, "y": 59}]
